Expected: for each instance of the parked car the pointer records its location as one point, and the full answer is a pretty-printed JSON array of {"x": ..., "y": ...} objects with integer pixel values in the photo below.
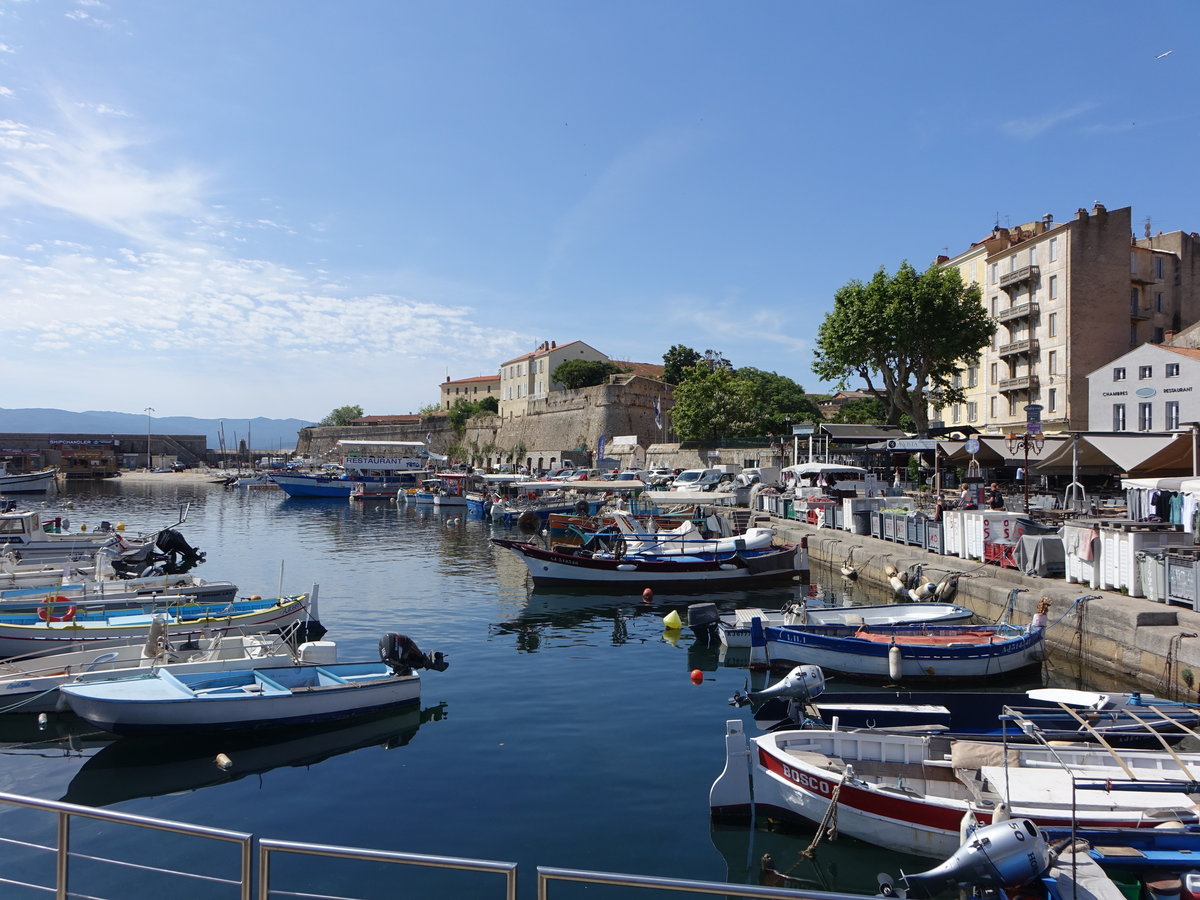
[{"x": 698, "y": 480}]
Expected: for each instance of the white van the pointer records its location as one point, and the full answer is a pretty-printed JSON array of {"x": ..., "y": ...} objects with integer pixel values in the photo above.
[{"x": 697, "y": 480}]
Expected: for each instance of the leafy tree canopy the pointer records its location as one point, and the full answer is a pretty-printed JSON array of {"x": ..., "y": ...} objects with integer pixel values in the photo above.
[
  {"x": 906, "y": 335},
  {"x": 462, "y": 410},
  {"x": 865, "y": 411},
  {"x": 677, "y": 362},
  {"x": 343, "y": 415},
  {"x": 715, "y": 401},
  {"x": 580, "y": 373}
]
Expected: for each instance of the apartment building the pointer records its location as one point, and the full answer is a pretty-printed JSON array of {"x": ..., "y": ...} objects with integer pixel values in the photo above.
[
  {"x": 1151, "y": 388},
  {"x": 473, "y": 389},
  {"x": 526, "y": 378},
  {"x": 1068, "y": 298}
]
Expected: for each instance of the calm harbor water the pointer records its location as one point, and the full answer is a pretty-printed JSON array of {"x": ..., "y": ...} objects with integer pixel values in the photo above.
[{"x": 565, "y": 733}]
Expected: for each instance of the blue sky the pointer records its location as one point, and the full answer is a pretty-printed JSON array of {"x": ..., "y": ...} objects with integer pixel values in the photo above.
[{"x": 232, "y": 208}]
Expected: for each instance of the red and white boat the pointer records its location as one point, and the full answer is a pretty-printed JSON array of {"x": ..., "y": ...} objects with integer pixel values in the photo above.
[{"x": 913, "y": 793}]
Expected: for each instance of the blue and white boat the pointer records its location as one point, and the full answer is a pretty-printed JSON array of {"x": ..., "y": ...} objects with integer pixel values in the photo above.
[
  {"x": 907, "y": 652},
  {"x": 384, "y": 474},
  {"x": 163, "y": 702}
]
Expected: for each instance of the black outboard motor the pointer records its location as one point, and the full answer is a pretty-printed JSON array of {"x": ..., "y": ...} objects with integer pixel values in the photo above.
[
  {"x": 403, "y": 655},
  {"x": 171, "y": 543}
]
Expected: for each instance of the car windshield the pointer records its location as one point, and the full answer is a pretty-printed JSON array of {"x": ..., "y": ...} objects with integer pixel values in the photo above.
[{"x": 688, "y": 476}]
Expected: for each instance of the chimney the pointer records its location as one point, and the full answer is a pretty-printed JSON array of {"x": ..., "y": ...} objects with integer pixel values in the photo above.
[
  {"x": 1169, "y": 336},
  {"x": 1080, "y": 213},
  {"x": 942, "y": 259},
  {"x": 1047, "y": 220},
  {"x": 553, "y": 344},
  {"x": 1098, "y": 209}
]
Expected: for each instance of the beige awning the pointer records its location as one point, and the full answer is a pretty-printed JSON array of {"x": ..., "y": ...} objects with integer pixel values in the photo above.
[{"x": 1118, "y": 452}]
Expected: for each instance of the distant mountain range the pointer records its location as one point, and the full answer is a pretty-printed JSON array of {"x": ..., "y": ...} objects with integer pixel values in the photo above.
[{"x": 264, "y": 434}]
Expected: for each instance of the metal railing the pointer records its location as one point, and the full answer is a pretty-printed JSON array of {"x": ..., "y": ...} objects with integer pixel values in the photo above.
[
  {"x": 268, "y": 849},
  {"x": 64, "y": 855}
]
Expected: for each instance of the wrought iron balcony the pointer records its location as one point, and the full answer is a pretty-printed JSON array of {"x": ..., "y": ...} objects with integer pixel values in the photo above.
[
  {"x": 1029, "y": 345},
  {"x": 1020, "y": 276},
  {"x": 1139, "y": 313},
  {"x": 1020, "y": 383},
  {"x": 1021, "y": 310}
]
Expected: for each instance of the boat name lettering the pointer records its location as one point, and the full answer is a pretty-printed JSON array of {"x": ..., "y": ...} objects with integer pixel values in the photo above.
[
  {"x": 1176, "y": 390},
  {"x": 1115, "y": 393},
  {"x": 806, "y": 781},
  {"x": 18, "y": 684}
]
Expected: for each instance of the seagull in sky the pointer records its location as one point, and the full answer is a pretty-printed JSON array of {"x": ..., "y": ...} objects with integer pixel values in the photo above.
[{"x": 1163, "y": 55}]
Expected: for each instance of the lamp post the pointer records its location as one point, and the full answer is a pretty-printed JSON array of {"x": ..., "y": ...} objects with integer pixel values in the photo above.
[
  {"x": 149, "y": 458},
  {"x": 1025, "y": 442}
]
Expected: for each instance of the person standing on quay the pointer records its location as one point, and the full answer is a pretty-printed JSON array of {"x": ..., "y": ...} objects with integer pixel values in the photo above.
[{"x": 995, "y": 499}]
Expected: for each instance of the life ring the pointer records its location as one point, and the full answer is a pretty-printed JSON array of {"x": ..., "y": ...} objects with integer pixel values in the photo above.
[
  {"x": 812, "y": 517},
  {"x": 46, "y": 615},
  {"x": 533, "y": 495}
]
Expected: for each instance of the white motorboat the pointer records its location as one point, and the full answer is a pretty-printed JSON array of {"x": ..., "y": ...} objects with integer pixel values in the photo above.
[
  {"x": 166, "y": 702},
  {"x": 28, "y": 482},
  {"x": 30, "y": 684},
  {"x": 912, "y": 793}
]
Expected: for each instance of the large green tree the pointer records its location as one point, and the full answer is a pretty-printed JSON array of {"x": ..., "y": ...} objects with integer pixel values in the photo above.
[
  {"x": 714, "y": 403},
  {"x": 864, "y": 411},
  {"x": 677, "y": 362},
  {"x": 343, "y": 415},
  {"x": 906, "y": 335},
  {"x": 780, "y": 400},
  {"x": 580, "y": 373}
]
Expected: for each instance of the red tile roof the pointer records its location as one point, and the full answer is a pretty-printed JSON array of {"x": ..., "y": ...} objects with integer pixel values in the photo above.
[
  {"x": 476, "y": 379},
  {"x": 538, "y": 352},
  {"x": 646, "y": 370},
  {"x": 1192, "y": 352}
]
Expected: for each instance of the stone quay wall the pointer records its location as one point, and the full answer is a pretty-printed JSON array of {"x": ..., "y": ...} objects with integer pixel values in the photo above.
[{"x": 1135, "y": 642}]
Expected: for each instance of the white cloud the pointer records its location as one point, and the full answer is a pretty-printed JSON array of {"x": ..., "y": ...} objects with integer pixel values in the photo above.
[
  {"x": 1029, "y": 128},
  {"x": 5, "y": 91}
]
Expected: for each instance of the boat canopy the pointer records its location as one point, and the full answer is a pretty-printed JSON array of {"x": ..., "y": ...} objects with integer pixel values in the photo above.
[
  {"x": 816, "y": 468},
  {"x": 607, "y": 487},
  {"x": 381, "y": 443}
]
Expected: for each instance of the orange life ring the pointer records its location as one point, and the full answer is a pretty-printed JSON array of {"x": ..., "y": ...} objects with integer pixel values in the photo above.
[{"x": 46, "y": 616}]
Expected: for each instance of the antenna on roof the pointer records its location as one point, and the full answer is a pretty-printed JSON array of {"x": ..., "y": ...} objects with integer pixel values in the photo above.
[
  {"x": 1147, "y": 231},
  {"x": 997, "y": 225}
]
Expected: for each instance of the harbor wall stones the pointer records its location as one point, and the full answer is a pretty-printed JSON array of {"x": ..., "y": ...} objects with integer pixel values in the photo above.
[{"x": 1137, "y": 643}]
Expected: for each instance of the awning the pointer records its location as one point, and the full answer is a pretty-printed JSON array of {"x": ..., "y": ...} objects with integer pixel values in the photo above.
[
  {"x": 816, "y": 468},
  {"x": 1120, "y": 452},
  {"x": 999, "y": 446}
]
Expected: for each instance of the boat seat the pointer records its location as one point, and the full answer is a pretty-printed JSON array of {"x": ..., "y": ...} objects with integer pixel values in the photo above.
[
  {"x": 745, "y": 616},
  {"x": 818, "y": 760}
]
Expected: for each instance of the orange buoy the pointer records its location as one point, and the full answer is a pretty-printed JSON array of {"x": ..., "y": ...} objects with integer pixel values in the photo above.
[
  {"x": 647, "y": 595},
  {"x": 697, "y": 676}
]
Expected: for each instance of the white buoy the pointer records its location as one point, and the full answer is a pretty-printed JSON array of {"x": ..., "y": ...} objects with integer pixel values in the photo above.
[
  {"x": 223, "y": 761},
  {"x": 895, "y": 663},
  {"x": 966, "y": 826}
]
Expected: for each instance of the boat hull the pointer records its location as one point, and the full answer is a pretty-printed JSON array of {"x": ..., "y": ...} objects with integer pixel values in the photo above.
[
  {"x": 734, "y": 630},
  {"x": 27, "y": 635},
  {"x": 966, "y": 652},
  {"x": 112, "y": 707},
  {"x": 905, "y": 792},
  {"x": 30, "y": 483},
  {"x": 552, "y": 567}
]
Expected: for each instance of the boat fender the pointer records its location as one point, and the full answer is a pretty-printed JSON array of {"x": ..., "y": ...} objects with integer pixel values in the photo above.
[
  {"x": 46, "y": 613},
  {"x": 895, "y": 663}
]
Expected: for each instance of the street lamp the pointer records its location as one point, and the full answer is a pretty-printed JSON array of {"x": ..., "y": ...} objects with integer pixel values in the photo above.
[
  {"x": 1025, "y": 442},
  {"x": 149, "y": 458}
]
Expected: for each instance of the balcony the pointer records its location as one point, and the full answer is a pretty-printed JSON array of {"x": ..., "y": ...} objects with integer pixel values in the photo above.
[
  {"x": 1020, "y": 383},
  {"x": 1020, "y": 276},
  {"x": 1020, "y": 311},
  {"x": 1139, "y": 313},
  {"x": 1029, "y": 345}
]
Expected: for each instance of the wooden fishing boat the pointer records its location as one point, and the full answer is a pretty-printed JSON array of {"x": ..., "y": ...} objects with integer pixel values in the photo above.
[
  {"x": 733, "y": 627},
  {"x": 726, "y": 572},
  {"x": 913, "y": 793},
  {"x": 908, "y": 652},
  {"x": 163, "y": 702},
  {"x": 58, "y": 629},
  {"x": 30, "y": 684}
]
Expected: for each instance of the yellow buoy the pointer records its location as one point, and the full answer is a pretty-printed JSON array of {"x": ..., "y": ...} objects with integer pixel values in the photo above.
[
  {"x": 120, "y": 526},
  {"x": 672, "y": 620}
]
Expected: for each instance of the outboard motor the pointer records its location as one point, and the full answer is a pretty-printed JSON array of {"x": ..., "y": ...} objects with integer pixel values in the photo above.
[
  {"x": 702, "y": 618},
  {"x": 802, "y": 684},
  {"x": 1004, "y": 854},
  {"x": 171, "y": 543},
  {"x": 402, "y": 655}
]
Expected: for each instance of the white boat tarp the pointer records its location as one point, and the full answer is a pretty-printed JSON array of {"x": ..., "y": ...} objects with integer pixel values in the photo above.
[
  {"x": 672, "y": 498},
  {"x": 816, "y": 468}
]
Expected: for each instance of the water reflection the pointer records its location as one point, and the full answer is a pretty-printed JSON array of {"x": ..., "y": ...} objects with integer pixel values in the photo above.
[{"x": 131, "y": 767}]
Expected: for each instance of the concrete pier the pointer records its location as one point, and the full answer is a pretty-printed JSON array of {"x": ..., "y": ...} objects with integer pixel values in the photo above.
[{"x": 1137, "y": 643}]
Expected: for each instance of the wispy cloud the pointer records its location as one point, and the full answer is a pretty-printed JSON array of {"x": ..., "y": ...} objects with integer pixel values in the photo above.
[{"x": 1035, "y": 126}]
